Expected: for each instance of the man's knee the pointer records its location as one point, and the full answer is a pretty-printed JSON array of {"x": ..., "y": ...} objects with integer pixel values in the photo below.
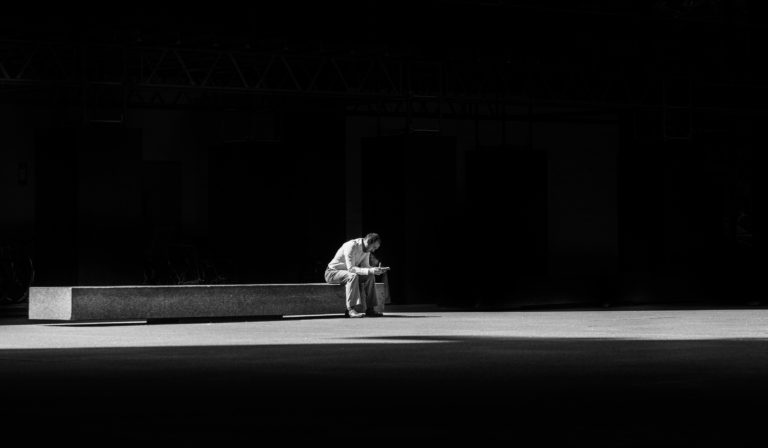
[{"x": 340, "y": 277}]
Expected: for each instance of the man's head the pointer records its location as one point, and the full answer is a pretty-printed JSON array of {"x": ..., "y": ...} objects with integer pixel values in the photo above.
[{"x": 371, "y": 242}]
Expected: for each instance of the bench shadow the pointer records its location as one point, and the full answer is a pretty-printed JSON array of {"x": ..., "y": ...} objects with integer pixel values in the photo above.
[
  {"x": 96, "y": 324},
  {"x": 90, "y": 324}
]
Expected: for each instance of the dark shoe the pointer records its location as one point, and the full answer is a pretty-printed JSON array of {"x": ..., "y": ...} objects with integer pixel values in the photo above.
[
  {"x": 353, "y": 313},
  {"x": 373, "y": 313}
]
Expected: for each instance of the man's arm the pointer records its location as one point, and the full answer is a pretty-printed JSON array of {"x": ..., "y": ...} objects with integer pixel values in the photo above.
[
  {"x": 351, "y": 266},
  {"x": 376, "y": 269},
  {"x": 374, "y": 264}
]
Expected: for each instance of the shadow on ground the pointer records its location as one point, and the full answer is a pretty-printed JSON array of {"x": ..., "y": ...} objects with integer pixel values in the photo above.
[
  {"x": 403, "y": 390},
  {"x": 210, "y": 320}
]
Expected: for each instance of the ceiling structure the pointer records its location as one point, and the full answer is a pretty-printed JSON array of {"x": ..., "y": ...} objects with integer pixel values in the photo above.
[{"x": 450, "y": 58}]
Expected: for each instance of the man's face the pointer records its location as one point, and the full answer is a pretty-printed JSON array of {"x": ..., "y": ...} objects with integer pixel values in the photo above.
[{"x": 372, "y": 247}]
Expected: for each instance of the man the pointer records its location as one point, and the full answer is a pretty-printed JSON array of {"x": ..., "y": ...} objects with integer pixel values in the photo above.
[{"x": 351, "y": 267}]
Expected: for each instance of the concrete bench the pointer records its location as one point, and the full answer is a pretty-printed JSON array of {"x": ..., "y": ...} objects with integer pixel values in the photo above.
[{"x": 111, "y": 303}]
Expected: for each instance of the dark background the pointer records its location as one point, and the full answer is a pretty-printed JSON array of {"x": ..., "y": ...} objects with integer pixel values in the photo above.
[{"x": 510, "y": 153}]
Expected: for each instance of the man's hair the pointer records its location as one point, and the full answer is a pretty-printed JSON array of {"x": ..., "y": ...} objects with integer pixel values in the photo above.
[{"x": 372, "y": 238}]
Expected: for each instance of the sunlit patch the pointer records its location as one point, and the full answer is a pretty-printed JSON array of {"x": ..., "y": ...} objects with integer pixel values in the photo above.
[{"x": 461, "y": 329}]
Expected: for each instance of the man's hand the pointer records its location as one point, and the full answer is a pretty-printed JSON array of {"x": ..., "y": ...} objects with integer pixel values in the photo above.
[{"x": 380, "y": 270}]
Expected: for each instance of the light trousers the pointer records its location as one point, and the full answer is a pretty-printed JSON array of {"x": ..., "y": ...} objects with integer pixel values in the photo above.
[{"x": 361, "y": 289}]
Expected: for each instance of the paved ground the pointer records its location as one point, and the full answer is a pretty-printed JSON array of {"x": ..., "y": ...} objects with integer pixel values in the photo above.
[{"x": 600, "y": 377}]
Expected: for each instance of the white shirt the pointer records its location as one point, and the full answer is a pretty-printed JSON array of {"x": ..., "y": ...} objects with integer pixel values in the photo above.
[{"x": 351, "y": 257}]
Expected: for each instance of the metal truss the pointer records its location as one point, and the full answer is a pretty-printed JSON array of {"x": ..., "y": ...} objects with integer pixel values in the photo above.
[{"x": 113, "y": 76}]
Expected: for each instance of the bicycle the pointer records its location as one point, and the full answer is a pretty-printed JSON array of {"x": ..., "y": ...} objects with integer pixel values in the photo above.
[
  {"x": 181, "y": 264},
  {"x": 17, "y": 273}
]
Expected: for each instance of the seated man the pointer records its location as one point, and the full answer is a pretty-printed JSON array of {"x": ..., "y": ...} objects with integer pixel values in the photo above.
[{"x": 351, "y": 267}]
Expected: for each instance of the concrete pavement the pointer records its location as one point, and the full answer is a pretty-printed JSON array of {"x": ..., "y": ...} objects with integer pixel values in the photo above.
[
  {"x": 332, "y": 329},
  {"x": 598, "y": 377}
]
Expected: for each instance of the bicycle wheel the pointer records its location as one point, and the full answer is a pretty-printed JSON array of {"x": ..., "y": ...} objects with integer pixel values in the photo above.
[{"x": 21, "y": 278}]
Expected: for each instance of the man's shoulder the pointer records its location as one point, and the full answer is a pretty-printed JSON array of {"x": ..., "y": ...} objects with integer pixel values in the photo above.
[{"x": 354, "y": 243}]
